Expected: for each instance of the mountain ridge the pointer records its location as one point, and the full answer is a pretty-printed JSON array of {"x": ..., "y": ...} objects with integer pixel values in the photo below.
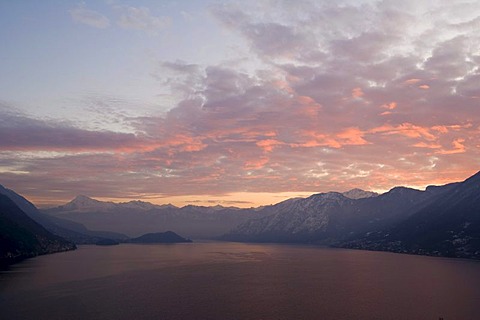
[
  {"x": 21, "y": 237},
  {"x": 81, "y": 202},
  {"x": 196, "y": 222},
  {"x": 447, "y": 225},
  {"x": 440, "y": 220},
  {"x": 67, "y": 229}
]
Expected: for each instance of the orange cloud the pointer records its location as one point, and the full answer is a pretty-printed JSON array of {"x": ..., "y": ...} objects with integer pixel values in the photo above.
[
  {"x": 390, "y": 106},
  {"x": 255, "y": 164},
  {"x": 427, "y": 145},
  {"x": 183, "y": 142},
  {"x": 269, "y": 144},
  {"x": 357, "y": 93},
  {"x": 347, "y": 137},
  {"x": 308, "y": 106},
  {"x": 316, "y": 139},
  {"x": 352, "y": 136},
  {"x": 458, "y": 147},
  {"x": 412, "y": 81},
  {"x": 406, "y": 129},
  {"x": 441, "y": 129},
  {"x": 424, "y": 86}
]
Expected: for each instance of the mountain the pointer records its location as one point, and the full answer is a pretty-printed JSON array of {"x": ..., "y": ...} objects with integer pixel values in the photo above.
[
  {"x": 359, "y": 194},
  {"x": 136, "y": 217},
  {"x": 83, "y": 203},
  {"x": 330, "y": 217},
  {"x": 447, "y": 225},
  {"x": 160, "y": 237},
  {"x": 442, "y": 220},
  {"x": 66, "y": 229},
  {"x": 294, "y": 220},
  {"x": 21, "y": 237}
]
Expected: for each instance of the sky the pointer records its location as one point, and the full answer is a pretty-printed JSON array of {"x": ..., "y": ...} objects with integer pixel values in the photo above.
[{"x": 241, "y": 103}]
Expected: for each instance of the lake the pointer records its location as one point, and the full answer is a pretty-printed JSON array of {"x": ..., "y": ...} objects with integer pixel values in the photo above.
[{"x": 222, "y": 280}]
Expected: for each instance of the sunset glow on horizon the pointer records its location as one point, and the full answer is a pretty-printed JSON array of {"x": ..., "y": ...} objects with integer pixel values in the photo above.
[{"x": 236, "y": 103}]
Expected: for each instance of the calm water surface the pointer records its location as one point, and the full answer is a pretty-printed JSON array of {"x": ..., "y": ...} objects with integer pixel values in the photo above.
[{"x": 217, "y": 280}]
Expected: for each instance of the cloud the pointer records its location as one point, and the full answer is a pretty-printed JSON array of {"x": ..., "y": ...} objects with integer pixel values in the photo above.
[
  {"x": 390, "y": 106},
  {"x": 338, "y": 95},
  {"x": 22, "y": 133},
  {"x": 140, "y": 18},
  {"x": 272, "y": 39},
  {"x": 89, "y": 17},
  {"x": 128, "y": 17},
  {"x": 458, "y": 147}
]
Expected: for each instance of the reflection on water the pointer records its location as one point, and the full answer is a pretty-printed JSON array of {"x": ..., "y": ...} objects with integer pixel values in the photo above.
[{"x": 217, "y": 280}]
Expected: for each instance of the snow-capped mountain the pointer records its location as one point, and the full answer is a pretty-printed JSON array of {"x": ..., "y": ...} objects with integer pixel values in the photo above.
[
  {"x": 359, "y": 194},
  {"x": 83, "y": 203},
  {"x": 329, "y": 217},
  {"x": 294, "y": 220}
]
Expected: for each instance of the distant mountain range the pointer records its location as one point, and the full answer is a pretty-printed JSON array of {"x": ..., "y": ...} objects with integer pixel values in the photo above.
[
  {"x": 85, "y": 204},
  {"x": 442, "y": 220},
  {"x": 135, "y": 218}
]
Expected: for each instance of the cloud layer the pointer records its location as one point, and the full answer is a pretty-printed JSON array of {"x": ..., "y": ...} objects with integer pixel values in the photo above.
[
  {"x": 336, "y": 96},
  {"x": 89, "y": 17},
  {"x": 128, "y": 17}
]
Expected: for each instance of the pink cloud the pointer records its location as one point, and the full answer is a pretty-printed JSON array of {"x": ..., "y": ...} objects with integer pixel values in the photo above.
[
  {"x": 357, "y": 93},
  {"x": 352, "y": 136},
  {"x": 407, "y": 130},
  {"x": 256, "y": 163},
  {"x": 412, "y": 81},
  {"x": 323, "y": 84},
  {"x": 390, "y": 106},
  {"x": 268, "y": 145},
  {"x": 458, "y": 147},
  {"x": 427, "y": 145}
]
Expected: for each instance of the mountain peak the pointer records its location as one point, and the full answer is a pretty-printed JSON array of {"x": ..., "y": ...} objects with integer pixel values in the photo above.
[
  {"x": 359, "y": 194},
  {"x": 402, "y": 191},
  {"x": 84, "y": 203},
  {"x": 138, "y": 204},
  {"x": 332, "y": 195},
  {"x": 82, "y": 200}
]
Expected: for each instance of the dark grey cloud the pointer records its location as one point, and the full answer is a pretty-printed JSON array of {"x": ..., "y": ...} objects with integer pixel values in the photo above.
[{"x": 20, "y": 132}]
